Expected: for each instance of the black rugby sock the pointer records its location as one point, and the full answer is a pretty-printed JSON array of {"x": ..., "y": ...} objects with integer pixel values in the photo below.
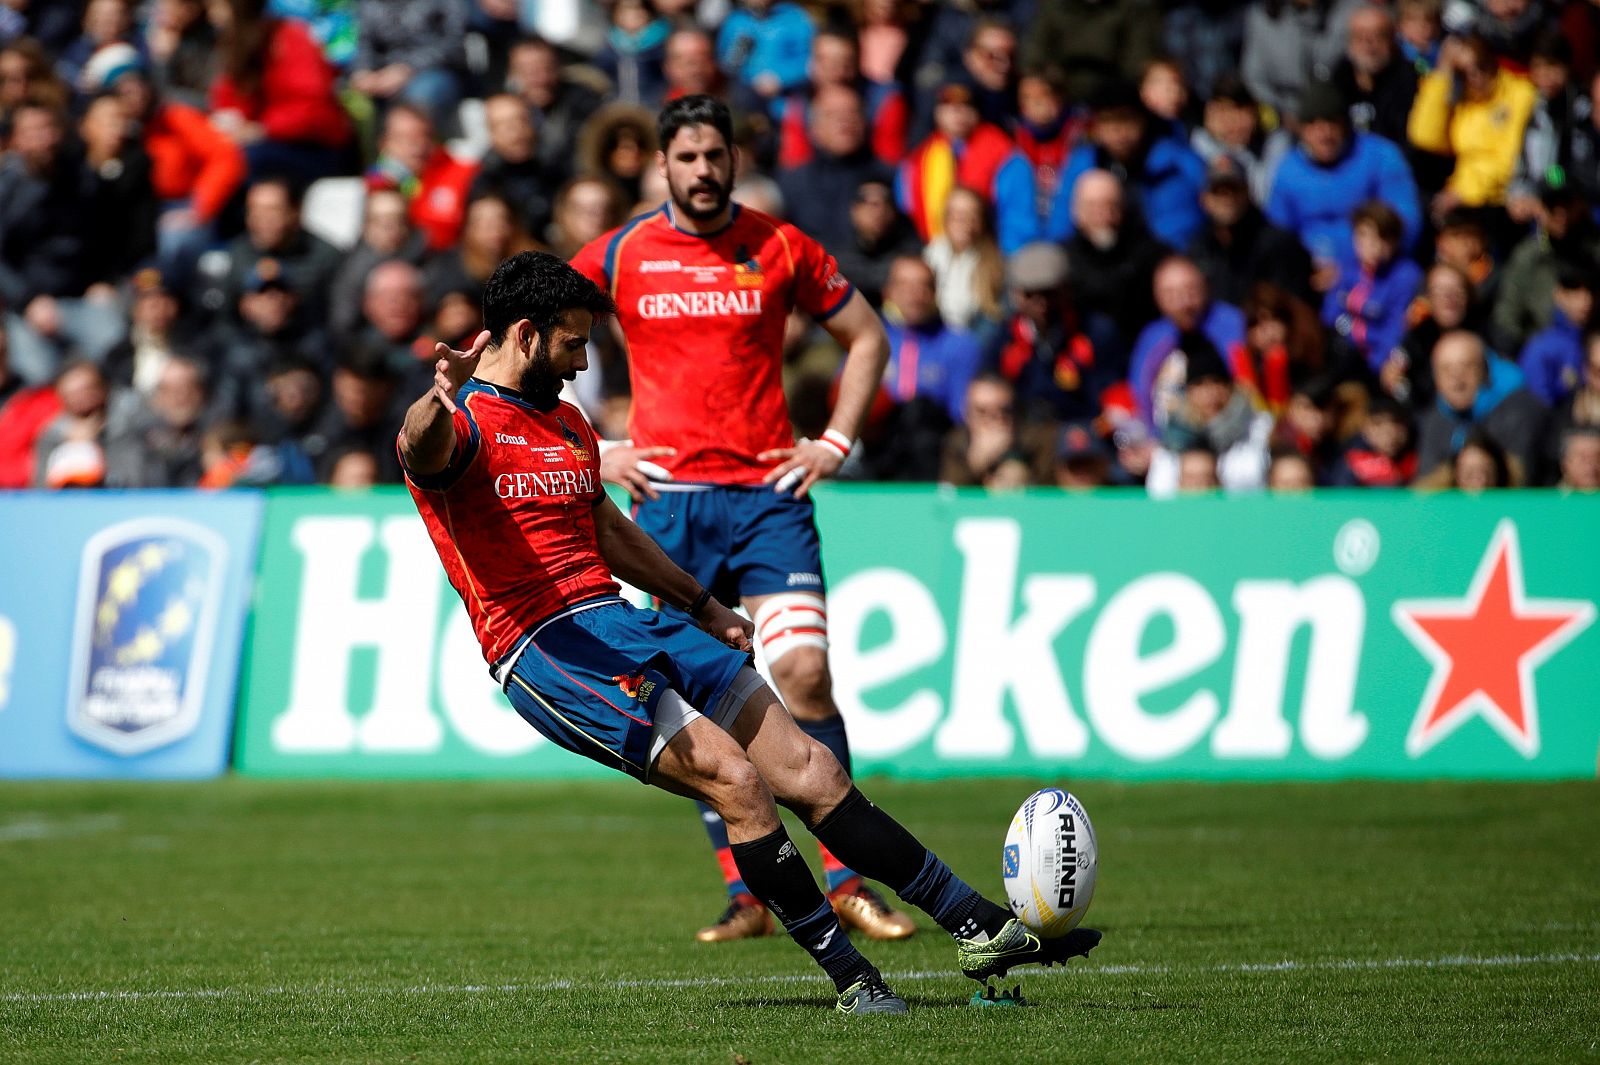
[
  {"x": 876, "y": 845},
  {"x": 776, "y": 874}
]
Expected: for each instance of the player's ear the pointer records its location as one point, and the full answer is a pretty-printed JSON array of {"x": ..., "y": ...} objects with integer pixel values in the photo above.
[
  {"x": 525, "y": 337},
  {"x": 661, "y": 162}
]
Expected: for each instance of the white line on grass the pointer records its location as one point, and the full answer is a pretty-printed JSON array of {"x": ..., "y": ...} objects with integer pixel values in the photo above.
[{"x": 1450, "y": 961}]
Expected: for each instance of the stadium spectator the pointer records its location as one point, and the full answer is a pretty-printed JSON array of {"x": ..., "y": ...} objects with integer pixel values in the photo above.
[
  {"x": 967, "y": 264},
  {"x": 1366, "y": 307},
  {"x": 1214, "y": 417},
  {"x": 411, "y": 51},
  {"x": 117, "y": 197},
  {"x": 1419, "y": 31},
  {"x": 272, "y": 230},
  {"x": 1113, "y": 257},
  {"x": 46, "y": 277},
  {"x": 386, "y": 233},
  {"x": 24, "y": 412},
  {"x": 1478, "y": 391},
  {"x": 69, "y": 448},
  {"x": 1290, "y": 471},
  {"x": 1331, "y": 172},
  {"x": 1479, "y": 464},
  {"x": 195, "y": 170},
  {"x": 158, "y": 331},
  {"x": 927, "y": 358},
  {"x": 434, "y": 181},
  {"x": 1580, "y": 461},
  {"x": 394, "y": 310},
  {"x": 1525, "y": 302},
  {"x": 1380, "y": 455},
  {"x": 295, "y": 393},
  {"x": 879, "y": 235},
  {"x": 26, "y": 77},
  {"x": 1472, "y": 110},
  {"x": 1510, "y": 27},
  {"x": 763, "y": 46},
  {"x": 159, "y": 445},
  {"x": 1093, "y": 43},
  {"x": 511, "y": 167},
  {"x": 834, "y": 65},
  {"x": 354, "y": 469},
  {"x": 585, "y": 208},
  {"x": 883, "y": 42},
  {"x": 1165, "y": 97},
  {"x": 634, "y": 53},
  {"x": 1154, "y": 374},
  {"x": 105, "y": 22},
  {"x": 1375, "y": 80},
  {"x": 991, "y": 432},
  {"x": 962, "y": 150},
  {"x": 1552, "y": 360},
  {"x": 180, "y": 43},
  {"x": 268, "y": 326},
  {"x": 1156, "y": 166},
  {"x": 1082, "y": 458},
  {"x": 1230, "y": 129},
  {"x": 332, "y": 24},
  {"x": 988, "y": 68},
  {"x": 1555, "y": 126},
  {"x": 619, "y": 143},
  {"x": 1284, "y": 342},
  {"x": 1461, "y": 242},
  {"x": 1582, "y": 408},
  {"x": 361, "y": 415},
  {"x": 50, "y": 22},
  {"x": 840, "y": 161},
  {"x": 690, "y": 65},
  {"x": 1238, "y": 248},
  {"x": 492, "y": 234},
  {"x": 274, "y": 93},
  {"x": 559, "y": 105},
  {"x": 1290, "y": 43},
  {"x": 1058, "y": 353},
  {"x": 1448, "y": 302},
  {"x": 1045, "y": 131}
]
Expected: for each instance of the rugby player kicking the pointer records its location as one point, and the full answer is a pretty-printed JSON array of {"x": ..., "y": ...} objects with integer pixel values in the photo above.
[
  {"x": 704, "y": 288},
  {"x": 507, "y": 479}
]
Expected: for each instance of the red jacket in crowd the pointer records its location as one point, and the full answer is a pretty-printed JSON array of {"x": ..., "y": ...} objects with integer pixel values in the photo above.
[{"x": 296, "y": 100}]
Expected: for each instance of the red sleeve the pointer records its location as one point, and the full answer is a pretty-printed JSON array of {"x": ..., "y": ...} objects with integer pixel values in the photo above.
[
  {"x": 889, "y": 130},
  {"x": 298, "y": 100},
  {"x": 819, "y": 288},
  {"x": 461, "y": 456},
  {"x": 222, "y": 165},
  {"x": 594, "y": 455},
  {"x": 591, "y": 261}
]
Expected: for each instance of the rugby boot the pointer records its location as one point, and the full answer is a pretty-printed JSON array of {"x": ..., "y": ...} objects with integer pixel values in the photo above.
[
  {"x": 745, "y": 918},
  {"x": 870, "y": 994},
  {"x": 1017, "y": 944},
  {"x": 861, "y": 908}
]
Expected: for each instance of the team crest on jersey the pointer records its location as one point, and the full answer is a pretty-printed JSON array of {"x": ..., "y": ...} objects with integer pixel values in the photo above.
[
  {"x": 574, "y": 441},
  {"x": 149, "y": 592},
  {"x": 746, "y": 270},
  {"x": 634, "y": 686}
]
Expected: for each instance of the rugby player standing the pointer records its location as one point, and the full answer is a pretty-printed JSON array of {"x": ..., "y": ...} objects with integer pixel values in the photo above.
[
  {"x": 507, "y": 480},
  {"x": 703, "y": 289}
]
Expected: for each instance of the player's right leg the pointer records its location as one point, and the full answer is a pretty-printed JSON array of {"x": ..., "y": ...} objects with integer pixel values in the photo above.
[
  {"x": 702, "y": 762},
  {"x": 807, "y": 779}
]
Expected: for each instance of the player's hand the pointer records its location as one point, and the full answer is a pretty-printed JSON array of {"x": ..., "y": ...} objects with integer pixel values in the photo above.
[
  {"x": 453, "y": 367},
  {"x": 801, "y": 467},
  {"x": 631, "y": 468},
  {"x": 725, "y": 625}
]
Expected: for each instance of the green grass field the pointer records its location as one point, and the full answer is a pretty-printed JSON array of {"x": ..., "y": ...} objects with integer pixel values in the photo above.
[{"x": 257, "y": 921}]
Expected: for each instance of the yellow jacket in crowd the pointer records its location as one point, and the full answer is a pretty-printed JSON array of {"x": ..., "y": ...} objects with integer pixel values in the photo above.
[{"x": 1484, "y": 135}]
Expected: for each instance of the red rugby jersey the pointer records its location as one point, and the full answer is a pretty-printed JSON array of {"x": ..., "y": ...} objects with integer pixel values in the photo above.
[
  {"x": 512, "y": 514},
  {"x": 704, "y": 317}
]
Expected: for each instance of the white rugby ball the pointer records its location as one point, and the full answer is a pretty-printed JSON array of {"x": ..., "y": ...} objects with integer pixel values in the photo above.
[{"x": 1049, "y": 862}]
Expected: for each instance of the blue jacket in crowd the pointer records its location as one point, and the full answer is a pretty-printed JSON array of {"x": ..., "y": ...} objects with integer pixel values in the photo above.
[
  {"x": 1315, "y": 202},
  {"x": 1370, "y": 311},
  {"x": 932, "y": 361},
  {"x": 749, "y": 45},
  {"x": 1552, "y": 360},
  {"x": 1166, "y": 189},
  {"x": 1224, "y": 325}
]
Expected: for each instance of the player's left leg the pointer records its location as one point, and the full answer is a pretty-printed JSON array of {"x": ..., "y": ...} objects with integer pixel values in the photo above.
[
  {"x": 806, "y": 779},
  {"x": 792, "y": 630}
]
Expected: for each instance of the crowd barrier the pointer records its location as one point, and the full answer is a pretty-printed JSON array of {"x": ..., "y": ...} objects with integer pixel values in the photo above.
[{"x": 1361, "y": 634}]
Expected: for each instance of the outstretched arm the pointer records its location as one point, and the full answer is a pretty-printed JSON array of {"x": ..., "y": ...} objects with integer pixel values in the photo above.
[
  {"x": 859, "y": 330},
  {"x": 639, "y": 560},
  {"x": 429, "y": 437}
]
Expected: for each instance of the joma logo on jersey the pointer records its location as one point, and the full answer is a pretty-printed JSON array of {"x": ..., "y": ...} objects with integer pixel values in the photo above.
[
  {"x": 745, "y": 303},
  {"x": 506, "y": 438},
  {"x": 660, "y": 266},
  {"x": 548, "y": 483},
  {"x": 1067, "y": 841}
]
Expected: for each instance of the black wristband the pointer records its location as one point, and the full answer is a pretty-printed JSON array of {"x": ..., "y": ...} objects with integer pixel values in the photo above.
[{"x": 700, "y": 602}]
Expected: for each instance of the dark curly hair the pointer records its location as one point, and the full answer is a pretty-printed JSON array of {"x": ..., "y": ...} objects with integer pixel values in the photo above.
[{"x": 540, "y": 287}]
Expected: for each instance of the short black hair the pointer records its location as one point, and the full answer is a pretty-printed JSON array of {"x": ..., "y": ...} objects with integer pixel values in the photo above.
[
  {"x": 696, "y": 110},
  {"x": 293, "y": 190},
  {"x": 540, "y": 287}
]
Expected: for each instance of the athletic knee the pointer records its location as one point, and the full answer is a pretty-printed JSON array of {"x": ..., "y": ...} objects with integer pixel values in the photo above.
[
  {"x": 806, "y": 683},
  {"x": 739, "y": 786},
  {"x": 817, "y": 783}
]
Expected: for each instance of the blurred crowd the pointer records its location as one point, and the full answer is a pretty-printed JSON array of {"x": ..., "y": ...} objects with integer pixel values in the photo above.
[{"x": 1187, "y": 244}]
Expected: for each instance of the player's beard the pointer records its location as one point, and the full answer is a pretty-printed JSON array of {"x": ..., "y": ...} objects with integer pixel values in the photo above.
[
  {"x": 541, "y": 385},
  {"x": 681, "y": 199}
]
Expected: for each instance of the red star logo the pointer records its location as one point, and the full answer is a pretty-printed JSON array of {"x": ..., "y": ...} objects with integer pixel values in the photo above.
[{"x": 1484, "y": 648}]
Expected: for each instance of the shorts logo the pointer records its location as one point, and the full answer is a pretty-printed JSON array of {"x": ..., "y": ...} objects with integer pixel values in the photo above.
[
  {"x": 634, "y": 686},
  {"x": 580, "y": 451},
  {"x": 795, "y": 579},
  {"x": 149, "y": 592}
]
